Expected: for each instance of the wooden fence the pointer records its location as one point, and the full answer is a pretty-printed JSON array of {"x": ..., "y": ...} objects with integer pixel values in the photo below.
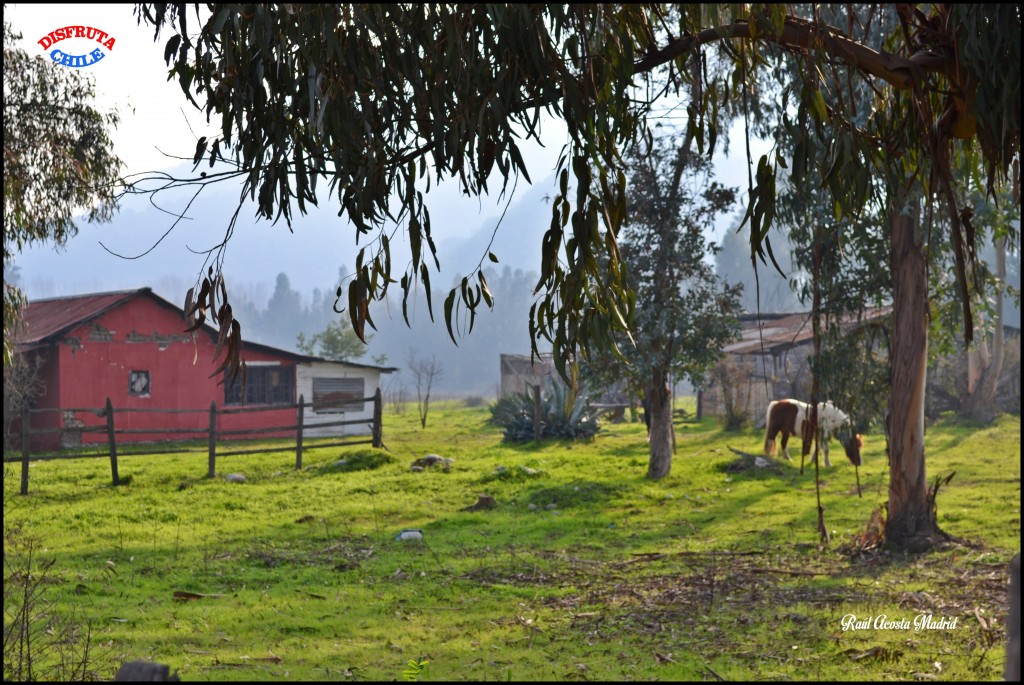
[{"x": 376, "y": 434}]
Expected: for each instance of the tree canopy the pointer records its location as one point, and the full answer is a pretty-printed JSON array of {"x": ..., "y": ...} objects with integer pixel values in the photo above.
[
  {"x": 59, "y": 161},
  {"x": 380, "y": 102}
]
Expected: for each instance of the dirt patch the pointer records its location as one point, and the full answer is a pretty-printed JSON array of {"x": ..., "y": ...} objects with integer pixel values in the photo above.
[
  {"x": 343, "y": 555},
  {"x": 768, "y": 606}
]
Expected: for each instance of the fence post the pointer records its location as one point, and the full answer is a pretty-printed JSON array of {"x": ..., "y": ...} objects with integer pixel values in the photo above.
[
  {"x": 298, "y": 434},
  {"x": 25, "y": 442},
  {"x": 112, "y": 441},
  {"x": 212, "y": 470},
  {"x": 536, "y": 412},
  {"x": 378, "y": 427}
]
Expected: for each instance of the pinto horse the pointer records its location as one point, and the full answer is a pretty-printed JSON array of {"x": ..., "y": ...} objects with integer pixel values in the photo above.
[{"x": 792, "y": 417}]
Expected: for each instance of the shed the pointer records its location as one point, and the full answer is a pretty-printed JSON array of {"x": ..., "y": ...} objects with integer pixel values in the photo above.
[
  {"x": 130, "y": 346},
  {"x": 519, "y": 371},
  {"x": 770, "y": 361},
  {"x": 337, "y": 391}
]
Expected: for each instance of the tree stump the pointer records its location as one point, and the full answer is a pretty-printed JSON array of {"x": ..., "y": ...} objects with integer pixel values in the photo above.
[{"x": 482, "y": 502}]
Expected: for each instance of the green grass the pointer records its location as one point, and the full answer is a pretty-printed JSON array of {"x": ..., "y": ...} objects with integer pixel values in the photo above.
[{"x": 584, "y": 570}]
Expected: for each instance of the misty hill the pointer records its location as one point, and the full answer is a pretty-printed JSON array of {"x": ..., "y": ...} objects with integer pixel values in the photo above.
[{"x": 318, "y": 244}]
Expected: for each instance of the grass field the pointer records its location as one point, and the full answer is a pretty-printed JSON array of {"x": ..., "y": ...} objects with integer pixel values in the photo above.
[{"x": 584, "y": 570}]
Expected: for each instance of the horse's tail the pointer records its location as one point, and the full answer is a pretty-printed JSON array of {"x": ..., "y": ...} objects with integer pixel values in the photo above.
[{"x": 769, "y": 438}]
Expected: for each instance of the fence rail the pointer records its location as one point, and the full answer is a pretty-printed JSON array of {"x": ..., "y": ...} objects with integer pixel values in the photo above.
[{"x": 108, "y": 412}]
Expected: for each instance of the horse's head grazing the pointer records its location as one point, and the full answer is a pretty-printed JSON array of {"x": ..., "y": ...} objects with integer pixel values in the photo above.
[{"x": 853, "y": 444}]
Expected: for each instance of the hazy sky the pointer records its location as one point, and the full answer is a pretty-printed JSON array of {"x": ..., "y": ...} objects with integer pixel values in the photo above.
[{"x": 156, "y": 121}]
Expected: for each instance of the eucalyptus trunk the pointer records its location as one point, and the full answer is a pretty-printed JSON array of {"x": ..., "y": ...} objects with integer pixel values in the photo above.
[
  {"x": 910, "y": 523},
  {"x": 662, "y": 433}
]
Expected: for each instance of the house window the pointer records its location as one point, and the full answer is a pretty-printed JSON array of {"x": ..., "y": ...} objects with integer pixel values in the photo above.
[
  {"x": 263, "y": 385},
  {"x": 337, "y": 395},
  {"x": 138, "y": 384}
]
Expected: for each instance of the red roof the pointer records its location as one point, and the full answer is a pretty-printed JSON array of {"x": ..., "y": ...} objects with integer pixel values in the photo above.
[{"x": 45, "y": 319}]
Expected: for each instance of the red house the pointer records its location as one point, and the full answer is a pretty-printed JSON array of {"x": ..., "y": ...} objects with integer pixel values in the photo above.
[{"x": 130, "y": 346}]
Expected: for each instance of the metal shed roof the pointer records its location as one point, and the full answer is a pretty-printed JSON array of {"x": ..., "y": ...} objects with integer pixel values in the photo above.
[{"x": 782, "y": 331}]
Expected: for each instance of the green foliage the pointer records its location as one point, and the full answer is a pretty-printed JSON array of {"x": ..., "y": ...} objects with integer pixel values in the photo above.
[
  {"x": 506, "y": 409},
  {"x": 336, "y": 342},
  {"x": 415, "y": 669},
  {"x": 59, "y": 161},
  {"x": 684, "y": 314},
  {"x": 767, "y": 291},
  {"x": 519, "y": 472},
  {"x": 360, "y": 460},
  {"x": 563, "y": 414}
]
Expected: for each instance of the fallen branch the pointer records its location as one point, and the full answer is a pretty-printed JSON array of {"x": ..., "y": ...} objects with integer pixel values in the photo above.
[
  {"x": 712, "y": 672},
  {"x": 787, "y": 572},
  {"x": 745, "y": 454},
  {"x": 654, "y": 556},
  {"x": 183, "y": 596}
]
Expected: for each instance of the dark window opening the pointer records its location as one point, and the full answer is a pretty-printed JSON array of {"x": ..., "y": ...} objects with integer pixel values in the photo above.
[
  {"x": 138, "y": 384},
  {"x": 263, "y": 385},
  {"x": 337, "y": 395}
]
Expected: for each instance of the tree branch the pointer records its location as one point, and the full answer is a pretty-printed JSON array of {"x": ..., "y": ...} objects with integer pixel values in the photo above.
[{"x": 901, "y": 73}]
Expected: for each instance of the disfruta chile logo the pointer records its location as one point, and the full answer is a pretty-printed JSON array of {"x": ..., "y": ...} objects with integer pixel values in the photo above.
[{"x": 75, "y": 32}]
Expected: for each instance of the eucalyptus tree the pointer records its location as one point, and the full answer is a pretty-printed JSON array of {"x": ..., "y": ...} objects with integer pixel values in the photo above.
[
  {"x": 684, "y": 314},
  {"x": 59, "y": 161},
  {"x": 372, "y": 105},
  {"x": 851, "y": 252}
]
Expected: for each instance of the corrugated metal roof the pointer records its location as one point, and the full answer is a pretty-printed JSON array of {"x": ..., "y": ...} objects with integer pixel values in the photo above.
[
  {"x": 46, "y": 319},
  {"x": 779, "y": 331}
]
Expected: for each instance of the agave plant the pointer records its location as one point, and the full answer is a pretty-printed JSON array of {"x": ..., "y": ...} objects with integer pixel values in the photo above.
[{"x": 563, "y": 414}]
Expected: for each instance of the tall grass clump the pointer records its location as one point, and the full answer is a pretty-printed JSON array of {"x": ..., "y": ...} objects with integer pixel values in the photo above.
[{"x": 40, "y": 642}]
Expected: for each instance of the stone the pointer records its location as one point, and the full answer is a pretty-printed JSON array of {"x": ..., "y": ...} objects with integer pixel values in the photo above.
[
  {"x": 410, "y": 534},
  {"x": 432, "y": 460},
  {"x": 145, "y": 672},
  {"x": 234, "y": 478}
]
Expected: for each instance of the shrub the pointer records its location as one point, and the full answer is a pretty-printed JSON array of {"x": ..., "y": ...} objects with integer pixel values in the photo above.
[
  {"x": 516, "y": 473},
  {"x": 360, "y": 460}
]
